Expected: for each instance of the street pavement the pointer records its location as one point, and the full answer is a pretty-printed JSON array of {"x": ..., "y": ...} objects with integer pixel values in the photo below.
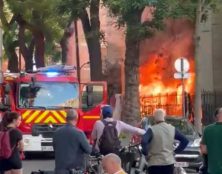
[
  {"x": 38, "y": 162},
  {"x": 44, "y": 161},
  {"x": 35, "y": 162}
]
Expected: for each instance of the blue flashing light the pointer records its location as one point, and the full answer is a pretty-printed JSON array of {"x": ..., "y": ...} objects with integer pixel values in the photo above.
[{"x": 52, "y": 74}]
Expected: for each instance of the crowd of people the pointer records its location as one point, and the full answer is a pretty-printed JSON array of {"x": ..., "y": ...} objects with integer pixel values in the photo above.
[{"x": 72, "y": 148}]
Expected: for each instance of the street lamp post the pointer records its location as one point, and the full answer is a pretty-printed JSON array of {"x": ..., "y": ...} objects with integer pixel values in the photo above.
[
  {"x": 182, "y": 67},
  {"x": 77, "y": 49}
]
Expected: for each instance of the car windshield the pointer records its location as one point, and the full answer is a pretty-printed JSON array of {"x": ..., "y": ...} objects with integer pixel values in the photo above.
[
  {"x": 48, "y": 95},
  {"x": 182, "y": 125}
]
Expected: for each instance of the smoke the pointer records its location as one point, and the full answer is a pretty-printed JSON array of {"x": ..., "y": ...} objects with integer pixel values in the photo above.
[
  {"x": 176, "y": 40},
  {"x": 159, "y": 53}
]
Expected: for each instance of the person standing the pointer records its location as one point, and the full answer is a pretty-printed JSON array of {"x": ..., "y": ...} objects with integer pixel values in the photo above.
[
  {"x": 70, "y": 146},
  {"x": 211, "y": 144},
  {"x": 112, "y": 164},
  {"x": 158, "y": 145},
  {"x": 106, "y": 132},
  {"x": 13, "y": 164}
]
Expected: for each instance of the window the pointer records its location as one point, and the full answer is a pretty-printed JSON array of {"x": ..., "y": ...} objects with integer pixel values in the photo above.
[
  {"x": 97, "y": 96},
  {"x": 48, "y": 94}
]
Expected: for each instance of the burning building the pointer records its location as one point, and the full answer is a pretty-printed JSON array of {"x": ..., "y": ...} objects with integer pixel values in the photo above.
[{"x": 158, "y": 87}]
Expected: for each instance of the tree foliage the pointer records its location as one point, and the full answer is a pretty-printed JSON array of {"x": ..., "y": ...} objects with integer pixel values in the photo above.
[
  {"x": 38, "y": 28},
  {"x": 88, "y": 13},
  {"x": 41, "y": 15},
  {"x": 42, "y": 24},
  {"x": 129, "y": 13}
]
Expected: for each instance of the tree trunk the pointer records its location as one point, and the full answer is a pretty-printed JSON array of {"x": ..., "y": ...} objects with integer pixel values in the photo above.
[
  {"x": 26, "y": 53},
  {"x": 95, "y": 60},
  {"x": 64, "y": 41},
  {"x": 39, "y": 49},
  {"x": 94, "y": 43},
  {"x": 131, "y": 106},
  {"x": 12, "y": 61},
  {"x": 64, "y": 47},
  {"x": 29, "y": 61},
  {"x": 10, "y": 48},
  {"x": 198, "y": 87},
  {"x": 91, "y": 29}
]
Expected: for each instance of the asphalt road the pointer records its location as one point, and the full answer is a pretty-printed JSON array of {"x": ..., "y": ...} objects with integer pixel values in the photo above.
[
  {"x": 38, "y": 162},
  {"x": 35, "y": 162}
]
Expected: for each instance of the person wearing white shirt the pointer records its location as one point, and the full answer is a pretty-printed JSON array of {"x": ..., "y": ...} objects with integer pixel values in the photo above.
[{"x": 107, "y": 115}]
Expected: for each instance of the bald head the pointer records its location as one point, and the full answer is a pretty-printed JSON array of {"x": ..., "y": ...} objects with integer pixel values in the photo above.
[
  {"x": 159, "y": 115},
  {"x": 111, "y": 163},
  {"x": 112, "y": 158}
]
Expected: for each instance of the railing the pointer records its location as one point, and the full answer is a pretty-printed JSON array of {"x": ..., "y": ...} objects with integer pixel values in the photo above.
[
  {"x": 172, "y": 103},
  {"x": 210, "y": 101}
]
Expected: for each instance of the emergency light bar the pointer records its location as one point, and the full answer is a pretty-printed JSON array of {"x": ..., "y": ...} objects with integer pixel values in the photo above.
[
  {"x": 57, "y": 69},
  {"x": 52, "y": 74}
]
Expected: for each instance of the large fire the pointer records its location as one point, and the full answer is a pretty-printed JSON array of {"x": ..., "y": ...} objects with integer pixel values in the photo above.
[{"x": 158, "y": 87}]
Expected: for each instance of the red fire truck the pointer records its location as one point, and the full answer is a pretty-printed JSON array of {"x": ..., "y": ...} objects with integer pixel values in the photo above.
[{"x": 42, "y": 97}]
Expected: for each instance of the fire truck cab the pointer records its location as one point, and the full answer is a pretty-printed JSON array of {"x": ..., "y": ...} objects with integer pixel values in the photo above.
[{"x": 42, "y": 98}]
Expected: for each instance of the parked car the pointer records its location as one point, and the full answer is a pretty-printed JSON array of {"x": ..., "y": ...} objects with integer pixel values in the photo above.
[{"x": 190, "y": 158}]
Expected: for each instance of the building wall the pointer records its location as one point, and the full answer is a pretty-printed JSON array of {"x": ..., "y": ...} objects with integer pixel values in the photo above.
[
  {"x": 211, "y": 53},
  {"x": 217, "y": 50},
  {"x": 205, "y": 56}
]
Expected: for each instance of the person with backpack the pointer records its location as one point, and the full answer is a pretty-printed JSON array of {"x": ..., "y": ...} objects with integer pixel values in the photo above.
[
  {"x": 106, "y": 132},
  {"x": 11, "y": 144}
]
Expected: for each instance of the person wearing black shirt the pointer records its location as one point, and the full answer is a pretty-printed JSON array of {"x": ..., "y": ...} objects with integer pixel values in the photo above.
[{"x": 10, "y": 122}]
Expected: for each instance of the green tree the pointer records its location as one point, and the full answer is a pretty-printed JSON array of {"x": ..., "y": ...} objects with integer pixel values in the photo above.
[
  {"x": 10, "y": 41},
  {"x": 129, "y": 15},
  {"x": 39, "y": 18},
  {"x": 38, "y": 29},
  {"x": 77, "y": 9}
]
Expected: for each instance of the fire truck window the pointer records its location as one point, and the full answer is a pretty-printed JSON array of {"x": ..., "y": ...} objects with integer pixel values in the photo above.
[
  {"x": 97, "y": 96},
  {"x": 49, "y": 94}
]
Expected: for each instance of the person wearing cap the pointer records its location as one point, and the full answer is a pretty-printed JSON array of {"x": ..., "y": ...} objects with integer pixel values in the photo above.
[
  {"x": 121, "y": 127},
  {"x": 211, "y": 144},
  {"x": 70, "y": 146},
  {"x": 158, "y": 145}
]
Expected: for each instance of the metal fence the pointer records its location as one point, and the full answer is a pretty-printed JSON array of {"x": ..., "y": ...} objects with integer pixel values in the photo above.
[
  {"x": 210, "y": 101},
  {"x": 171, "y": 103}
]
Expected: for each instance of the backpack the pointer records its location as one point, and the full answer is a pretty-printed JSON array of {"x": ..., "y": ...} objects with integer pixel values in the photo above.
[
  {"x": 109, "y": 141},
  {"x": 5, "y": 145}
]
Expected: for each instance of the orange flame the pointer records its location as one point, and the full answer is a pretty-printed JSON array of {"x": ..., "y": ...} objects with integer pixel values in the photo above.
[{"x": 158, "y": 87}]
